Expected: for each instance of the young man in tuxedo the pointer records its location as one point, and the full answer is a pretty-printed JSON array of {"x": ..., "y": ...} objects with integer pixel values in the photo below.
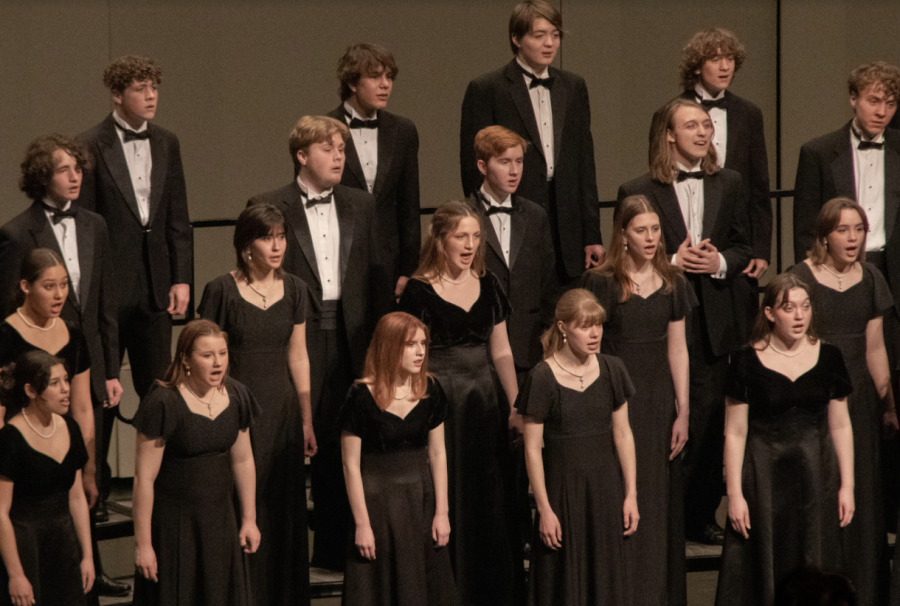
[
  {"x": 549, "y": 108},
  {"x": 52, "y": 177},
  {"x": 703, "y": 212},
  {"x": 382, "y": 157},
  {"x": 332, "y": 247},
  {"x": 137, "y": 185}
]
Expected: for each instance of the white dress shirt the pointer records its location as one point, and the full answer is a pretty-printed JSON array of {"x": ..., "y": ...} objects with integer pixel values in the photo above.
[
  {"x": 140, "y": 164},
  {"x": 868, "y": 172},
  {"x": 543, "y": 113},
  {"x": 501, "y": 221},
  {"x": 325, "y": 232},
  {"x": 691, "y": 200},
  {"x": 68, "y": 244},
  {"x": 719, "y": 119},
  {"x": 365, "y": 140}
]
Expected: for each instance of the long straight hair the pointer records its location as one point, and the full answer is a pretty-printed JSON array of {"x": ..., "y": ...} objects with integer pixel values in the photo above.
[
  {"x": 385, "y": 355},
  {"x": 617, "y": 255},
  {"x": 193, "y": 330},
  {"x": 663, "y": 166},
  {"x": 577, "y": 304},
  {"x": 773, "y": 298},
  {"x": 433, "y": 261}
]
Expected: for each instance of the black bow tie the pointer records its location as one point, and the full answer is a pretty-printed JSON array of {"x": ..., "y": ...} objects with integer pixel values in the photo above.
[
  {"x": 536, "y": 82},
  {"x": 493, "y": 210},
  {"x": 57, "y": 214},
  {"x": 684, "y": 175},
  {"x": 357, "y": 123},
  {"x": 310, "y": 202},
  {"x": 132, "y": 135},
  {"x": 864, "y": 145},
  {"x": 711, "y": 103}
]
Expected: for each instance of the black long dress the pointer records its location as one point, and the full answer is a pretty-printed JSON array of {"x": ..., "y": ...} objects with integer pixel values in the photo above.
[
  {"x": 841, "y": 319},
  {"x": 408, "y": 569},
  {"x": 790, "y": 477},
  {"x": 584, "y": 487},
  {"x": 258, "y": 343},
  {"x": 74, "y": 354},
  {"x": 636, "y": 331},
  {"x": 194, "y": 529},
  {"x": 42, "y": 522},
  {"x": 484, "y": 550}
]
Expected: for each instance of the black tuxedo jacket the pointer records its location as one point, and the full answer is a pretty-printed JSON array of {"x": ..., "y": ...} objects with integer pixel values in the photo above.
[
  {"x": 724, "y": 223},
  {"x": 825, "y": 171},
  {"x": 93, "y": 310},
  {"x": 396, "y": 190},
  {"x": 530, "y": 278},
  {"x": 501, "y": 97},
  {"x": 745, "y": 152},
  {"x": 359, "y": 257},
  {"x": 107, "y": 190}
]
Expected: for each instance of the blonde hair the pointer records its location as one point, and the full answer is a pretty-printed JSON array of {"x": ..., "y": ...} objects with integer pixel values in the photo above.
[
  {"x": 663, "y": 167},
  {"x": 313, "y": 129},
  {"x": 576, "y": 305}
]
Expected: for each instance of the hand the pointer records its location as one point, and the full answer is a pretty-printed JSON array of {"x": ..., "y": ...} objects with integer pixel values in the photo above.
[
  {"x": 516, "y": 427},
  {"x": 593, "y": 255},
  {"x": 679, "y": 436},
  {"x": 682, "y": 252},
  {"x": 846, "y": 505},
  {"x": 440, "y": 530},
  {"x": 310, "y": 448},
  {"x": 249, "y": 537},
  {"x": 179, "y": 295},
  {"x": 739, "y": 514},
  {"x": 401, "y": 284},
  {"x": 87, "y": 574},
  {"x": 756, "y": 268},
  {"x": 550, "y": 530},
  {"x": 630, "y": 515},
  {"x": 145, "y": 562},
  {"x": 114, "y": 393},
  {"x": 890, "y": 424},
  {"x": 20, "y": 591},
  {"x": 702, "y": 258},
  {"x": 365, "y": 541},
  {"x": 89, "y": 483}
]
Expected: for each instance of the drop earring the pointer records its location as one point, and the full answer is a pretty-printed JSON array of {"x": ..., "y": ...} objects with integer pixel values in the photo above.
[
  {"x": 187, "y": 369},
  {"x": 249, "y": 256},
  {"x": 564, "y": 338}
]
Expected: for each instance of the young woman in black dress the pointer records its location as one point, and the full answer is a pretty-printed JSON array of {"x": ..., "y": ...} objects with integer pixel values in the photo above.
[
  {"x": 465, "y": 309},
  {"x": 849, "y": 298},
  {"x": 264, "y": 311},
  {"x": 575, "y": 405},
  {"x": 45, "y": 536},
  {"x": 395, "y": 467},
  {"x": 646, "y": 299},
  {"x": 193, "y": 450},
  {"x": 788, "y": 451}
]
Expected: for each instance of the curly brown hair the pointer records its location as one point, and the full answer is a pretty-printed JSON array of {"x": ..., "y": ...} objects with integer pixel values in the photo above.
[
  {"x": 364, "y": 60},
  {"x": 38, "y": 165},
  {"x": 704, "y": 46},
  {"x": 130, "y": 68},
  {"x": 880, "y": 72}
]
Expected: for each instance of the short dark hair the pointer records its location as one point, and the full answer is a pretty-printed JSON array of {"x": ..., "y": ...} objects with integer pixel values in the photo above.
[
  {"x": 255, "y": 222},
  {"x": 31, "y": 368},
  {"x": 879, "y": 72},
  {"x": 38, "y": 166},
  {"x": 130, "y": 68},
  {"x": 363, "y": 60},
  {"x": 706, "y": 45},
  {"x": 523, "y": 16}
]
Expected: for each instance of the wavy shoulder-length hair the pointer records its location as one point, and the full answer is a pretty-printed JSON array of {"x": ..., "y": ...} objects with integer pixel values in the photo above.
[
  {"x": 446, "y": 219},
  {"x": 385, "y": 354},
  {"x": 827, "y": 221},
  {"x": 187, "y": 340},
  {"x": 774, "y": 297}
]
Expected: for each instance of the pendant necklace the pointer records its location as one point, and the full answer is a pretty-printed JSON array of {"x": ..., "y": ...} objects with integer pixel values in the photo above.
[
  {"x": 840, "y": 277},
  {"x": 264, "y": 296},
  {"x": 34, "y": 429},
  {"x": 207, "y": 404},
  {"x": 637, "y": 285},
  {"x": 579, "y": 377}
]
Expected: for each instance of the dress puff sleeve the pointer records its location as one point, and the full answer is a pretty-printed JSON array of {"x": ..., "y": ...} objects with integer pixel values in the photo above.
[
  {"x": 248, "y": 407},
  {"x": 622, "y": 387},
  {"x": 303, "y": 300},
  {"x": 881, "y": 297},
  {"x": 499, "y": 301},
  {"x": 684, "y": 299},
  {"x": 352, "y": 417},
  {"x": 8, "y": 467},
  {"x": 438, "y": 403},
  {"x": 158, "y": 414},
  {"x": 212, "y": 303},
  {"x": 81, "y": 357},
  {"x": 737, "y": 379},
  {"x": 76, "y": 444},
  {"x": 841, "y": 384},
  {"x": 603, "y": 287},
  {"x": 539, "y": 395},
  {"x": 414, "y": 300}
]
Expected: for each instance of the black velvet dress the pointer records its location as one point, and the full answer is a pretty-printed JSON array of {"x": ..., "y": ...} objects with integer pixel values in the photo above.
[
  {"x": 841, "y": 319},
  {"x": 636, "y": 331},
  {"x": 408, "y": 569},
  {"x": 484, "y": 547},
  {"x": 584, "y": 487},
  {"x": 790, "y": 477},
  {"x": 42, "y": 522},
  {"x": 258, "y": 343},
  {"x": 194, "y": 528},
  {"x": 74, "y": 354}
]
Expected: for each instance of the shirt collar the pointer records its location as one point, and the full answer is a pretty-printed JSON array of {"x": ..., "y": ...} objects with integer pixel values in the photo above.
[
  {"x": 351, "y": 113},
  {"x": 857, "y": 133},
  {"x": 528, "y": 69},
  {"x": 52, "y": 204},
  {"x": 491, "y": 202},
  {"x": 127, "y": 126},
  {"x": 702, "y": 93},
  {"x": 690, "y": 169},
  {"x": 310, "y": 192}
]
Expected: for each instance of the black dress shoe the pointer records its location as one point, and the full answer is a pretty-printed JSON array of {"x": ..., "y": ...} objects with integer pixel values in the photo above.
[
  {"x": 711, "y": 534},
  {"x": 101, "y": 513},
  {"x": 110, "y": 588}
]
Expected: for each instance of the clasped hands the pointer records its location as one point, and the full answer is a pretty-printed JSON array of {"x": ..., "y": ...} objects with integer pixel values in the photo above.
[{"x": 700, "y": 258}]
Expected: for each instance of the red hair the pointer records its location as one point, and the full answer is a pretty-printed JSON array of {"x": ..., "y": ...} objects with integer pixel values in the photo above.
[{"x": 385, "y": 354}]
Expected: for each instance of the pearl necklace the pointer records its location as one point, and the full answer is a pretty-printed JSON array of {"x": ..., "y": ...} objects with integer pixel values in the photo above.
[
  {"x": 579, "y": 377},
  {"x": 24, "y": 319},
  {"x": 208, "y": 404},
  {"x": 840, "y": 277},
  {"x": 446, "y": 279},
  {"x": 786, "y": 353},
  {"x": 265, "y": 301},
  {"x": 34, "y": 429},
  {"x": 637, "y": 285},
  {"x": 408, "y": 389}
]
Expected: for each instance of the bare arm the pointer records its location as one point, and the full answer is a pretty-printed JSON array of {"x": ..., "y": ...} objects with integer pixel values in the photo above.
[
  {"x": 877, "y": 362},
  {"x": 148, "y": 460},
  {"x": 245, "y": 479},
  {"x": 842, "y": 436},
  {"x": 437, "y": 459},
  {"x": 501, "y": 354},
  {"x": 298, "y": 362},
  {"x": 624, "y": 440},
  {"x": 78, "y": 507},
  {"x": 83, "y": 413},
  {"x": 678, "y": 365},
  {"x": 351, "y": 450},
  {"x": 20, "y": 589},
  {"x": 735, "y": 442},
  {"x": 550, "y": 530}
]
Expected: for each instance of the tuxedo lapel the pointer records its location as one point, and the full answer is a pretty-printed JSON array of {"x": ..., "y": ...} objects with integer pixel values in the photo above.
[
  {"x": 296, "y": 216},
  {"x": 517, "y": 227},
  {"x": 559, "y": 100},
  {"x": 712, "y": 202},
  {"x": 518, "y": 91},
  {"x": 159, "y": 155},
  {"x": 85, "y": 242},
  {"x": 891, "y": 182},
  {"x": 667, "y": 202},
  {"x": 344, "y": 210},
  {"x": 387, "y": 137},
  {"x": 487, "y": 228},
  {"x": 732, "y": 118},
  {"x": 43, "y": 237},
  {"x": 114, "y": 158},
  {"x": 352, "y": 165},
  {"x": 842, "y": 167}
]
